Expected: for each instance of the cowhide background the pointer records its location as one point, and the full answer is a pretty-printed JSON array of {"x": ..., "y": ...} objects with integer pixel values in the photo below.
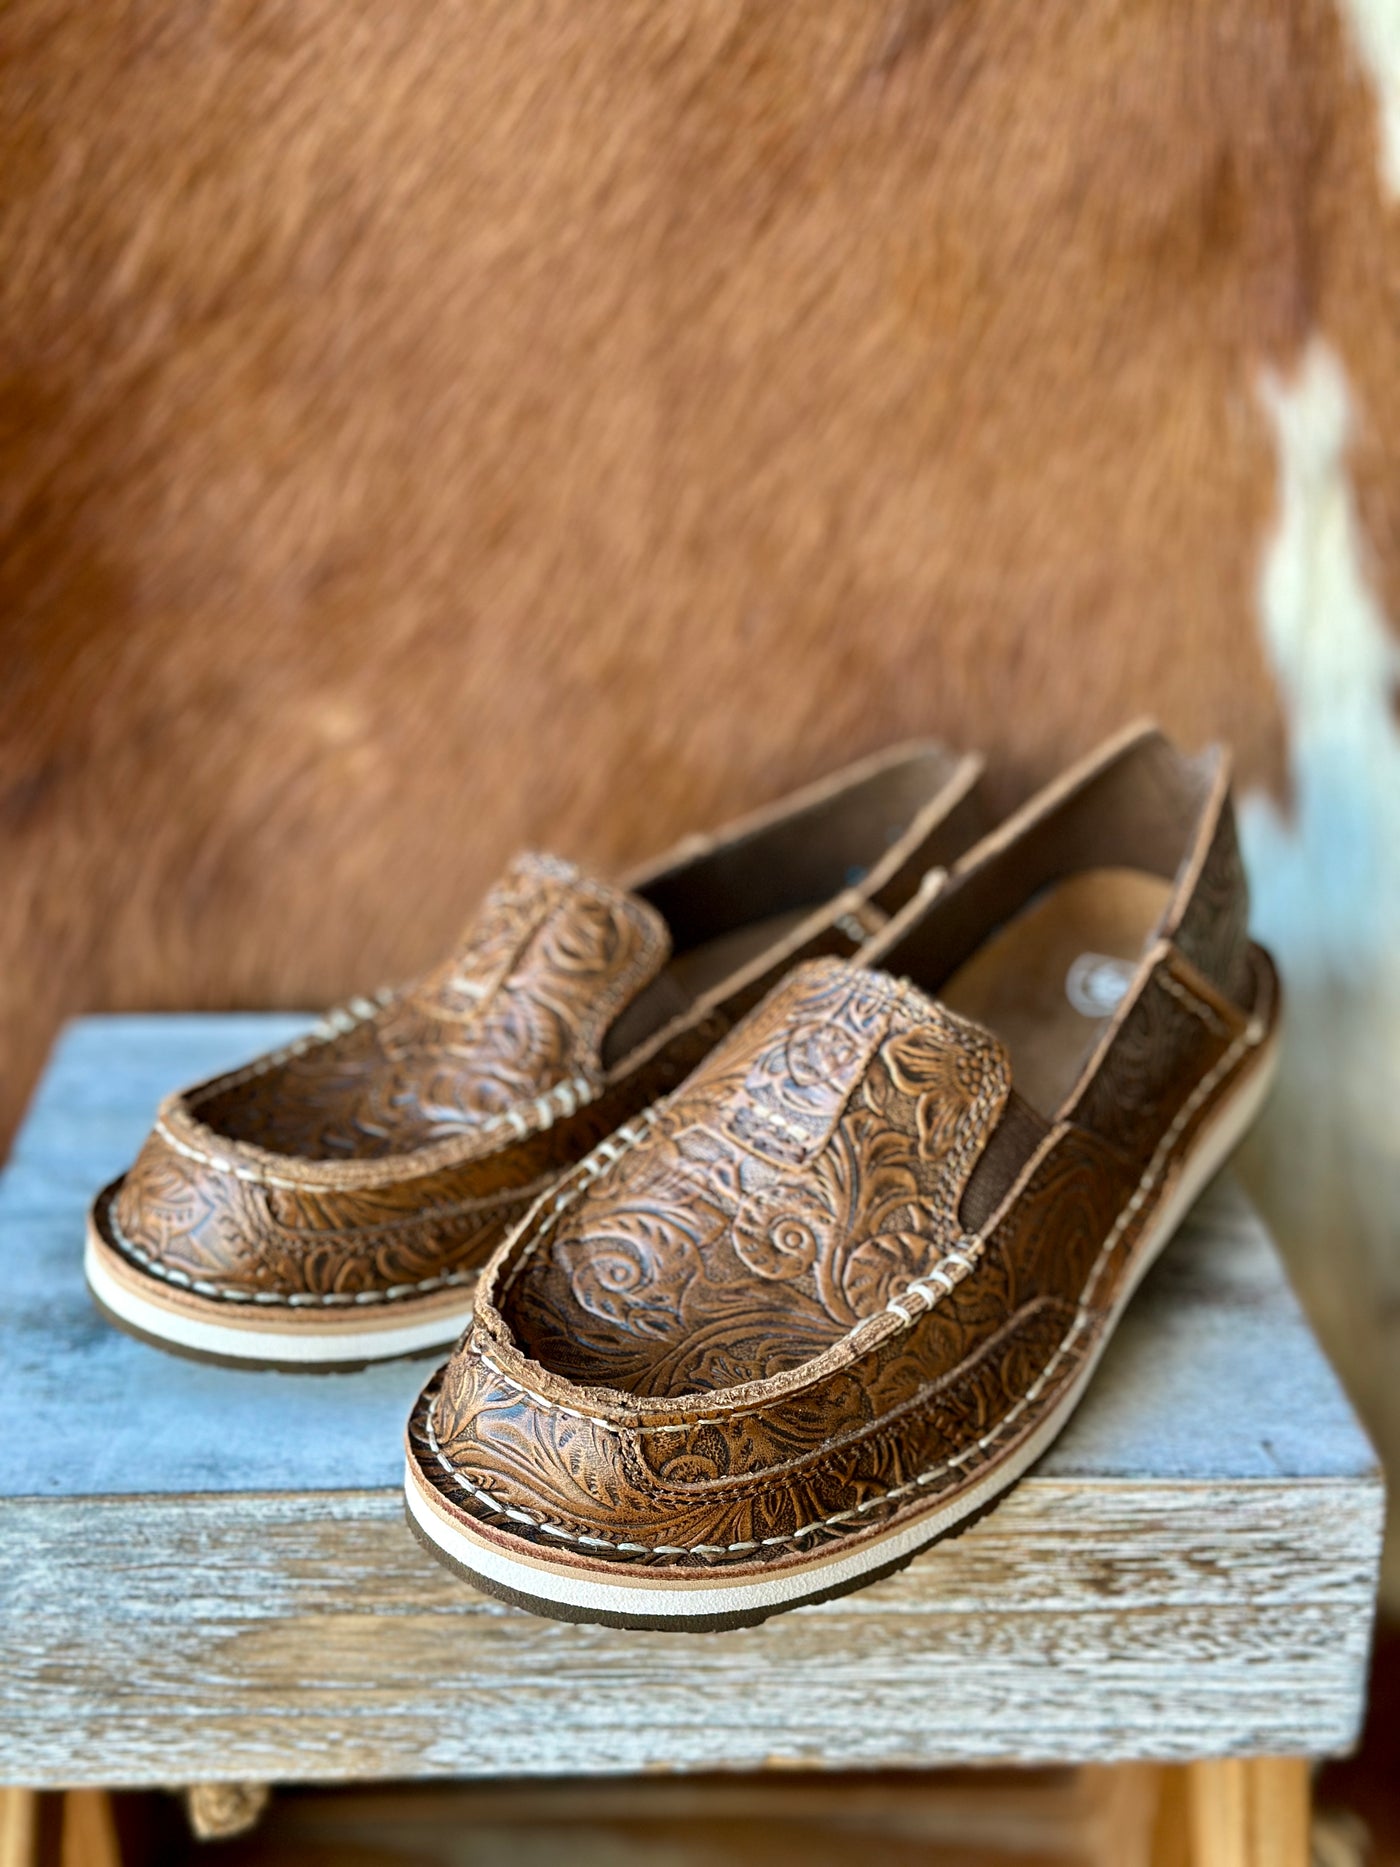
[{"x": 431, "y": 429}]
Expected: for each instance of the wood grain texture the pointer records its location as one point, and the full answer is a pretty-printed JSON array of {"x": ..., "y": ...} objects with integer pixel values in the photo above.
[
  {"x": 89, "y": 1830},
  {"x": 19, "y": 1827},
  {"x": 1250, "y": 1812},
  {"x": 427, "y": 434},
  {"x": 1214, "y": 1373},
  {"x": 308, "y": 1639},
  {"x": 205, "y": 1574},
  {"x": 1086, "y": 1817}
]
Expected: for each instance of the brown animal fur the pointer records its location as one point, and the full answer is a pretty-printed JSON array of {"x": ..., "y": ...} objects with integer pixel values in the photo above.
[{"x": 425, "y": 432}]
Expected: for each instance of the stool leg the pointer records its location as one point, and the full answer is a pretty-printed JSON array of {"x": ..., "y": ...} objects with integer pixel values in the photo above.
[
  {"x": 89, "y": 1830},
  {"x": 19, "y": 1827},
  {"x": 1249, "y": 1812}
]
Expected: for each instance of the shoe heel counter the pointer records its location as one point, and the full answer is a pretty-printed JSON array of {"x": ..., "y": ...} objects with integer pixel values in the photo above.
[{"x": 1210, "y": 919}]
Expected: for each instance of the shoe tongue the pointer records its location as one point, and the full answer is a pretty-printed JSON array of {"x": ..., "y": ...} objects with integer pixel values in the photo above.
[
  {"x": 824, "y": 1146},
  {"x": 780, "y": 1084},
  {"x": 551, "y": 957}
]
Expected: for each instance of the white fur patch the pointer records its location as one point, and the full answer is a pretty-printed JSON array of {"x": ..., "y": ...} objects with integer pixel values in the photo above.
[
  {"x": 1325, "y": 872},
  {"x": 1375, "y": 32}
]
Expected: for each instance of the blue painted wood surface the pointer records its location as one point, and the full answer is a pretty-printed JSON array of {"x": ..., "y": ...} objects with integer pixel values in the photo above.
[{"x": 1213, "y": 1374}]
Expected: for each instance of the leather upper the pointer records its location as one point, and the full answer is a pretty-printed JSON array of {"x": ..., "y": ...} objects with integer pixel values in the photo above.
[
  {"x": 761, "y": 1318},
  {"x": 517, "y": 1012},
  {"x": 468, "y": 1073},
  {"x": 384, "y": 1155},
  {"x": 824, "y": 1149}
]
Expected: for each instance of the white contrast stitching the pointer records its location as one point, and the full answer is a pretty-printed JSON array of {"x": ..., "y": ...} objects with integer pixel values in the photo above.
[
  {"x": 1247, "y": 1039},
  {"x": 300, "y": 1299},
  {"x": 563, "y": 1099},
  {"x": 955, "y": 1263},
  {"x": 897, "y": 994},
  {"x": 762, "y": 1113},
  {"x": 1192, "y": 1003},
  {"x": 335, "y": 1023},
  {"x": 605, "y": 1154}
]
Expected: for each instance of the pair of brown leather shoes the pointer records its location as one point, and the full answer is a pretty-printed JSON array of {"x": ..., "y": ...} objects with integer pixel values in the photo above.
[{"x": 817, "y": 1163}]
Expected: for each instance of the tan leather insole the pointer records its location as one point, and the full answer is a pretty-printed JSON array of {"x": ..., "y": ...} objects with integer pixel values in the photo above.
[{"x": 1039, "y": 983}]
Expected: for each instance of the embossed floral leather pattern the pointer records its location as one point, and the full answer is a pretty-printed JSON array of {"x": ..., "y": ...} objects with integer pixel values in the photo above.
[
  {"x": 381, "y": 1159},
  {"x": 500, "y": 1042},
  {"x": 752, "y": 1326},
  {"x": 518, "y": 1010},
  {"x": 825, "y": 1149}
]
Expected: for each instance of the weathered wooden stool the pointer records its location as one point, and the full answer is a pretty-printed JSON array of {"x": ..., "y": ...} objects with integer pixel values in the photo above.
[{"x": 205, "y": 1575}]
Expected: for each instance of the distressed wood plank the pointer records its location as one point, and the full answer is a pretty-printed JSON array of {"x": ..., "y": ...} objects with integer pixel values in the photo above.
[
  {"x": 311, "y": 1639},
  {"x": 1213, "y": 1373},
  {"x": 204, "y": 1574}
]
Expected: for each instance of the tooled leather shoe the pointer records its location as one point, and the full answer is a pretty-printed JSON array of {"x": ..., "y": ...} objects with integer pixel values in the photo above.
[
  {"x": 832, "y": 1296},
  {"x": 333, "y": 1202}
]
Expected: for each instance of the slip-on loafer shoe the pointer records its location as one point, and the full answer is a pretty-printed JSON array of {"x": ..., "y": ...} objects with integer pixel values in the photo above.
[
  {"x": 333, "y": 1202},
  {"x": 827, "y": 1300}
]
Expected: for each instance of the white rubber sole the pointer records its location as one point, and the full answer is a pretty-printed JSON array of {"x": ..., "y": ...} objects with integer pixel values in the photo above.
[
  {"x": 305, "y": 1342},
  {"x": 573, "y": 1594}
]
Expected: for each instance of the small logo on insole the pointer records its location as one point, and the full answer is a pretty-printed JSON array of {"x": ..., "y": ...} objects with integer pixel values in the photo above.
[{"x": 1095, "y": 983}]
